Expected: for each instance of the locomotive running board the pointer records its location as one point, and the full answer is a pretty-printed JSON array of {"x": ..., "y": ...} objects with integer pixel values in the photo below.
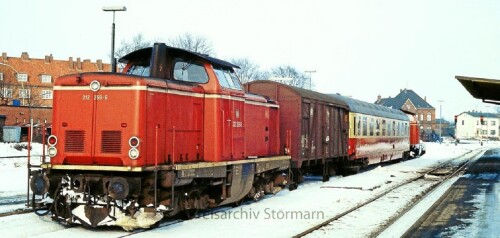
[{"x": 198, "y": 165}]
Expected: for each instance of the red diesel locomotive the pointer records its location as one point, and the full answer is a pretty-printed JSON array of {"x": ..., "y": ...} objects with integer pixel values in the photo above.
[{"x": 175, "y": 132}]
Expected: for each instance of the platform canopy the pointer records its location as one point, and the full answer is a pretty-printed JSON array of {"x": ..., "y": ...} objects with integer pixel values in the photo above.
[{"x": 487, "y": 90}]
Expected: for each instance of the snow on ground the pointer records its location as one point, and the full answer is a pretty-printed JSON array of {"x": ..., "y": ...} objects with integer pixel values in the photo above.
[
  {"x": 283, "y": 215},
  {"x": 14, "y": 171}
]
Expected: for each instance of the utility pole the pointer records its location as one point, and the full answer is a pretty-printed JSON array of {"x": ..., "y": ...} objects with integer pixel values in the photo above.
[{"x": 310, "y": 77}]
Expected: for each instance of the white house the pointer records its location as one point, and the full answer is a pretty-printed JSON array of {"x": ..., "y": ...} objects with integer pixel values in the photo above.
[{"x": 477, "y": 125}]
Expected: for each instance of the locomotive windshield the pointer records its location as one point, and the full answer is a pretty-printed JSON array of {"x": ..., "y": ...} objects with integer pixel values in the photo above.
[
  {"x": 227, "y": 78},
  {"x": 138, "y": 69}
]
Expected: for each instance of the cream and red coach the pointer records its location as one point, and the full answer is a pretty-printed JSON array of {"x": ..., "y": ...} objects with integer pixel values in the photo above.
[
  {"x": 175, "y": 132},
  {"x": 376, "y": 133}
]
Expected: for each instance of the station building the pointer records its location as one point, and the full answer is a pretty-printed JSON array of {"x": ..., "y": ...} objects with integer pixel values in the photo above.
[{"x": 408, "y": 100}]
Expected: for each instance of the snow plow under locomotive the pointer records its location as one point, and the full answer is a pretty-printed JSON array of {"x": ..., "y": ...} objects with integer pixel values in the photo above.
[{"x": 175, "y": 132}]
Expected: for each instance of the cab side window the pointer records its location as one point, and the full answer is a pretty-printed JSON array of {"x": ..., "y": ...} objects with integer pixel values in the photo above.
[
  {"x": 227, "y": 78},
  {"x": 190, "y": 72}
]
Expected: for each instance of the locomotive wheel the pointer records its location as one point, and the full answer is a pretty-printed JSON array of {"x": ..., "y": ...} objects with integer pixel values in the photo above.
[
  {"x": 189, "y": 214},
  {"x": 239, "y": 202}
]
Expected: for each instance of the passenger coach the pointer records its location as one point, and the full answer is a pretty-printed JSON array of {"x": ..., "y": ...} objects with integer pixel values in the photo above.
[{"x": 376, "y": 133}]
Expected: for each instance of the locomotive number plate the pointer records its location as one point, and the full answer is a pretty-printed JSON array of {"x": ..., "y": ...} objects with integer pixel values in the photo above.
[{"x": 87, "y": 97}]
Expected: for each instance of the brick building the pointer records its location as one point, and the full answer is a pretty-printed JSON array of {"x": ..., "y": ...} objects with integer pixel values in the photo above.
[
  {"x": 408, "y": 100},
  {"x": 27, "y": 83}
]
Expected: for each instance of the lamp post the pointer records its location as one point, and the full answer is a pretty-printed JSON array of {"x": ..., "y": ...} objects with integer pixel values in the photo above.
[
  {"x": 113, "y": 9},
  {"x": 440, "y": 119},
  {"x": 310, "y": 77}
]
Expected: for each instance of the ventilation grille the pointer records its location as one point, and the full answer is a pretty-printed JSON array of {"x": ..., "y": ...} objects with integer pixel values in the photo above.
[
  {"x": 111, "y": 142},
  {"x": 74, "y": 141}
]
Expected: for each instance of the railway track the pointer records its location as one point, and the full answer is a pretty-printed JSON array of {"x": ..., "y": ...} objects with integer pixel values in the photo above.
[{"x": 439, "y": 174}]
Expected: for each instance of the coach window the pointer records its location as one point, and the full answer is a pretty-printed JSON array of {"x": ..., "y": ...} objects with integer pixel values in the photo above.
[
  {"x": 377, "y": 127},
  {"x": 389, "y": 128},
  {"x": 365, "y": 126},
  {"x": 190, "y": 72},
  {"x": 393, "y": 131},
  {"x": 384, "y": 127},
  {"x": 372, "y": 125},
  {"x": 358, "y": 128}
]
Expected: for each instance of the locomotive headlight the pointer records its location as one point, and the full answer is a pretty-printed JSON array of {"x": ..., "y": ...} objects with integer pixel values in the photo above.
[
  {"x": 52, "y": 140},
  {"x": 133, "y": 153},
  {"x": 52, "y": 151},
  {"x": 133, "y": 142},
  {"x": 95, "y": 86}
]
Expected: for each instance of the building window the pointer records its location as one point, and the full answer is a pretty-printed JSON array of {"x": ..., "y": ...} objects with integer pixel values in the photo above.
[
  {"x": 493, "y": 123},
  {"x": 429, "y": 116},
  {"x": 1, "y": 76},
  {"x": 46, "y": 94},
  {"x": 421, "y": 117},
  {"x": 429, "y": 128},
  {"x": 493, "y": 132},
  {"x": 24, "y": 93},
  {"x": 6, "y": 93},
  {"x": 45, "y": 78},
  {"x": 463, "y": 122},
  {"x": 22, "y": 77}
]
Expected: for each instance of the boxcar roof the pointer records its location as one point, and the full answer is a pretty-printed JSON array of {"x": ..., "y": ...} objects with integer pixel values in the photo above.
[
  {"x": 305, "y": 93},
  {"x": 359, "y": 106},
  {"x": 146, "y": 52}
]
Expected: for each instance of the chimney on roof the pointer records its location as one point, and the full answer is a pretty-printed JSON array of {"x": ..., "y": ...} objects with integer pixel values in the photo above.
[
  {"x": 99, "y": 64},
  {"x": 48, "y": 59},
  {"x": 25, "y": 56},
  {"x": 4, "y": 56},
  {"x": 379, "y": 97},
  {"x": 425, "y": 98},
  {"x": 71, "y": 63},
  {"x": 86, "y": 61},
  {"x": 401, "y": 90},
  {"x": 78, "y": 64}
]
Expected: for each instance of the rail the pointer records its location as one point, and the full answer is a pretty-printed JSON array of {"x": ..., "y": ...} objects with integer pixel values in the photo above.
[{"x": 343, "y": 214}]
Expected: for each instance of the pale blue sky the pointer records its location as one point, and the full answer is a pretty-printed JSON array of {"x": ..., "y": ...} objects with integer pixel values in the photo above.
[{"x": 358, "y": 48}]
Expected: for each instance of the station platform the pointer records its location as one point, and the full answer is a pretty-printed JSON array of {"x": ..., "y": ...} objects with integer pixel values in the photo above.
[{"x": 471, "y": 207}]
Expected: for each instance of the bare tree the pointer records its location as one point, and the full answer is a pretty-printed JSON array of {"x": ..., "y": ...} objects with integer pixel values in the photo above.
[
  {"x": 298, "y": 79},
  {"x": 137, "y": 42},
  {"x": 195, "y": 43},
  {"x": 248, "y": 71}
]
